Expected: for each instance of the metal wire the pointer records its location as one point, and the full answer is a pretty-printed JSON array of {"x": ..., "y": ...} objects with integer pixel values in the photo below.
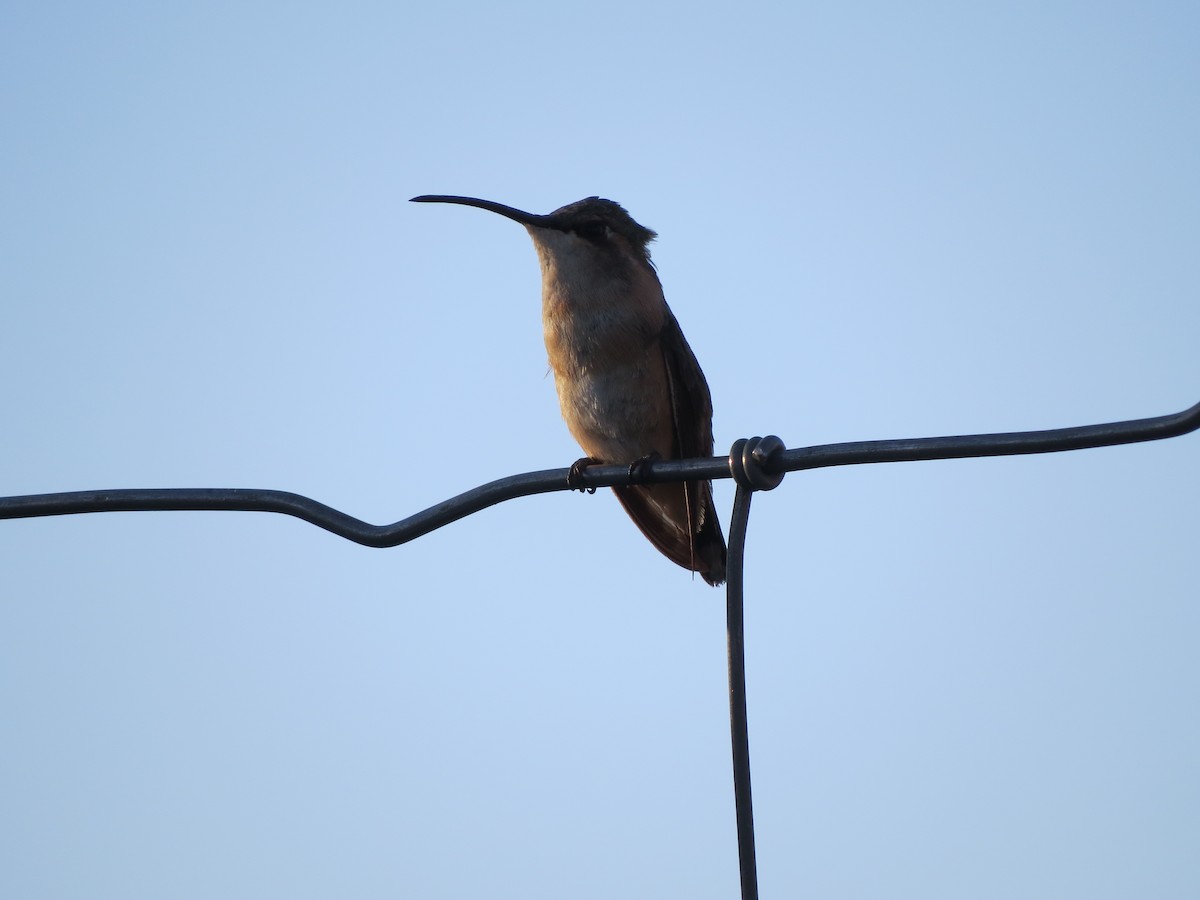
[
  {"x": 755, "y": 463},
  {"x": 739, "y": 727},
  {"x": 346, "y": 526},
  {"x": 749, "y": 462}
]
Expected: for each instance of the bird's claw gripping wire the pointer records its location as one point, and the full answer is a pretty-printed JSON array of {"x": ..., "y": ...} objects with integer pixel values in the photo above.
[
  {"x": 575, "y": 474},
  {"x": 638, "y": 469}
]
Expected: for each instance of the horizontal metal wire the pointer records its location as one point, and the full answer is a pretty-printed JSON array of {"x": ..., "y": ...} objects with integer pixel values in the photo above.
[{"x": 346, "y": 526}]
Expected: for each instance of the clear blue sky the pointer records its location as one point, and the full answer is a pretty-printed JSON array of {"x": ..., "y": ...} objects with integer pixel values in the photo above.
[{"x": 967, "y": 679}]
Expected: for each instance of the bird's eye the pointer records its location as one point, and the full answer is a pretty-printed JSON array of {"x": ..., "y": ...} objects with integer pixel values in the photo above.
[{"x": 596, "y": 232}]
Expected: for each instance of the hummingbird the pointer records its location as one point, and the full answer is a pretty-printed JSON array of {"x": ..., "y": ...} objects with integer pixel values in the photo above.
[{"x": 628, "y": 384}]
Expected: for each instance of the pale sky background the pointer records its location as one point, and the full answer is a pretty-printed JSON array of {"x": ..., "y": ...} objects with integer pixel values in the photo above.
[{"x": 967, "y": 679}]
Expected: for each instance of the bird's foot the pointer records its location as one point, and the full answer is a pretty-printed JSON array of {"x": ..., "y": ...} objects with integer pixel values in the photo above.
[
  {"x": 575, "y": 474},
  {"x": 638, "y": 466}
]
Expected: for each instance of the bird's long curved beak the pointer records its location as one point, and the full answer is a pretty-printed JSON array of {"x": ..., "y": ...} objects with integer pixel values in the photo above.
[{"x": 517, "y": 215}]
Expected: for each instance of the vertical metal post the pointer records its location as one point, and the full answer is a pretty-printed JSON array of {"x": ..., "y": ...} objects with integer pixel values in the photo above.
[
  {"x": 738, "y": 725},
  {"x": 749, "y": 459}
]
